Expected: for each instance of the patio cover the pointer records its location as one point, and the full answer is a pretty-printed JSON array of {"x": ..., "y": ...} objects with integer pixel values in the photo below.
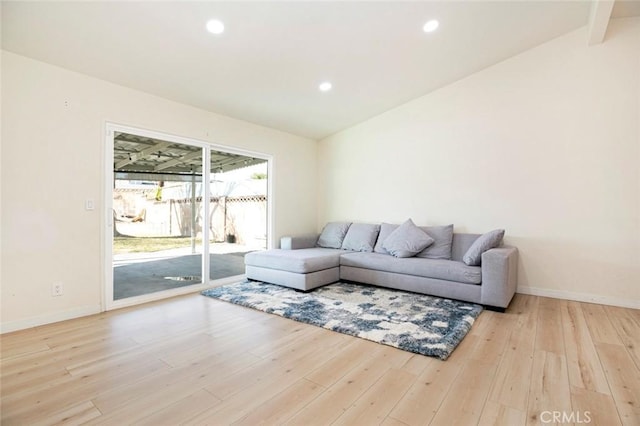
[{"x": 141, "y": 158}]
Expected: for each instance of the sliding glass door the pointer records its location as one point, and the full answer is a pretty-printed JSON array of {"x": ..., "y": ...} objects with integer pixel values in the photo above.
[{"x": 179, "y": 208}]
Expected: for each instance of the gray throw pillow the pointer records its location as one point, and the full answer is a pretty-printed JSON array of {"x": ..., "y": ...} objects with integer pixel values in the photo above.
[
  {"x": 361, "y": 237},
  {"x": 333, "y": 234},
  {"x": 485, "y": 242},
  {"x": 385, "y": 230},
  {"x": 407, "y": 240},
  {"x": 441, "y": 248}
]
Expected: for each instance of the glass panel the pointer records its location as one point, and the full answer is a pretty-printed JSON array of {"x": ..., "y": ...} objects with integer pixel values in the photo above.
[
  {"x": 238, "y": 211},
  {"x": 157, "y": 198}
]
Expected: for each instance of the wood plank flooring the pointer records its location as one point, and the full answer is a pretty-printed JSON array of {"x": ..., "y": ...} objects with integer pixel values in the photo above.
[{"x": 194, "y": 360}]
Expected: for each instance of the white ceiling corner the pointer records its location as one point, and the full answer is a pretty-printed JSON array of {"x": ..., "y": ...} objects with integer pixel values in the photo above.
[{"x": 599, "y": 20}]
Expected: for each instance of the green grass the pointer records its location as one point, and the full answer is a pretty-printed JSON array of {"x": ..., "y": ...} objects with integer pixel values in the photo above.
[{"x": 123, "y": 245}]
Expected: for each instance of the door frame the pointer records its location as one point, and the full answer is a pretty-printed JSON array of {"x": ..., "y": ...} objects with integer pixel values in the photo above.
[{"x": 107, "y": 302}]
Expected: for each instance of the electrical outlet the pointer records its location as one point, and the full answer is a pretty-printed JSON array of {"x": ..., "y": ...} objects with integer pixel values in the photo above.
[{"x": 57, "y": 289}]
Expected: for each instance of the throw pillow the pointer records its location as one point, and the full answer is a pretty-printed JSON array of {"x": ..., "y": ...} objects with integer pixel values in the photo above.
[
  {"x": 333, "y": 234},
  {"x": 487, "y": 241},
  {"x": 407, "y": 240},
  {"x": 441, "y": 248},
  {"x": 385, "y": 230},
  {"x": 361, "y": 237}
]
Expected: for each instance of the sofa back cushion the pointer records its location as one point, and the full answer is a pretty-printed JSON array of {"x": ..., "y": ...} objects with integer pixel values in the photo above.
[
  {"x": 361, "y": 237},
  {"x": 333, "y": 234},
  {"x": 443, "y": 238},
  {"x": 385, "y": 230},
  {"x": 461, "y": 243}
]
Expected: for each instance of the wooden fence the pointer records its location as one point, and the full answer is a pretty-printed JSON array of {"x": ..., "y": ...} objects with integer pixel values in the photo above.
[{"x": 240, "y": 219}]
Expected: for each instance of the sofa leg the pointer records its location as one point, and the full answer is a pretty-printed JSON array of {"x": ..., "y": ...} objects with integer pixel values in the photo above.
[{"x": 495, "y": 309}]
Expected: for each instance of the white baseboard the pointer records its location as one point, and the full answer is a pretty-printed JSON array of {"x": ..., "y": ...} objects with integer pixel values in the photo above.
[
  {"x": 91, "y": 310},
  {"x": 579, "y": 297},
  {"x": 22, "y": 324},
  {"x": 83, "y": 311}
]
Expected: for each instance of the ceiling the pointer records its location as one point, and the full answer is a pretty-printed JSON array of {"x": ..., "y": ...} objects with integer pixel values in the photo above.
[{"x": 267, "y": 65}]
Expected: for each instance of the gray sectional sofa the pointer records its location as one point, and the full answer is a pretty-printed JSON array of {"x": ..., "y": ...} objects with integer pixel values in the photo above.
[{"x": 469, "y": 267}]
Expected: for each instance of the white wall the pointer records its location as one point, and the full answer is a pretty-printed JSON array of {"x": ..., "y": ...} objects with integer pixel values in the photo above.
[
  {"x": 545, "y": 144},
  {"x": 1, "y": 209},
  {"x": 53, "y": 159}
]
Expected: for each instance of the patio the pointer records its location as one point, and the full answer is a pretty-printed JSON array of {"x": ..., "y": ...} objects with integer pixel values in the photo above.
[{"x": 143, "y": 273}]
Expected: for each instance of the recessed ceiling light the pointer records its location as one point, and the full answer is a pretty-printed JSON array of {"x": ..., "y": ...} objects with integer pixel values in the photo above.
[
  {"x": 430, "y": 26},
  {"x": 215, "y": 26},
  {"x": 325, "y": 86}
]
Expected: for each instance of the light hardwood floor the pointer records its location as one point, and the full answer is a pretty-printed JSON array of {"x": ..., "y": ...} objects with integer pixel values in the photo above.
[{"x": 195, "y": 360}]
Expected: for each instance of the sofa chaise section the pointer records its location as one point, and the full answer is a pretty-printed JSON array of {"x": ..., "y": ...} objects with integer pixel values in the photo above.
[{"x": 296, "y": 268}]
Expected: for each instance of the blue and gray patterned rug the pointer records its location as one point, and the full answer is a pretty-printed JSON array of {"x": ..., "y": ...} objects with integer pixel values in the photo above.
[{"x": 413, "y": 322}]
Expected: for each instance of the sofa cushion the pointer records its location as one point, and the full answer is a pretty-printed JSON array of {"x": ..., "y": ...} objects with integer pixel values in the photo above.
[
  {"x": 300, "y": 261},
  {"x": 385, "y": 230},
  {"x": 333, "y": 234},
  {"x": 449, "y": 270},
  {"x": 461, "y": 243},
  {"x": 441, "y": 248},
  {"x": 407, "y": 240},
  {"x": 487, "y": 241},
  {"x": 361, "y": 237}
]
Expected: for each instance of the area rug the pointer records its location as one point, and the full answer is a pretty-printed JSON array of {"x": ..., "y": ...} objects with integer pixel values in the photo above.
[{"x": 413, "y": 322}]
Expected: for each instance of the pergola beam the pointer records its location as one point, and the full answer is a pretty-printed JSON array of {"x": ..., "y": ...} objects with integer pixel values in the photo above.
[
  {"x": 141, "y": 154},
  {"x": 182, "y": 159},
  {"x": 234, "y": 161},
  {"x": 599, "y": 20}
]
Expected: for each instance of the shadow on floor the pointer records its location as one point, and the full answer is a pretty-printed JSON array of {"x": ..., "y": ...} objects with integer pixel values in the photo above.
[{"x": 135, "y": 279}]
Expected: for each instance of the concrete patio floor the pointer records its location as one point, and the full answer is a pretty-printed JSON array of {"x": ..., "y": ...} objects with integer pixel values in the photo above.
[{"x": 144, "y": 273}]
